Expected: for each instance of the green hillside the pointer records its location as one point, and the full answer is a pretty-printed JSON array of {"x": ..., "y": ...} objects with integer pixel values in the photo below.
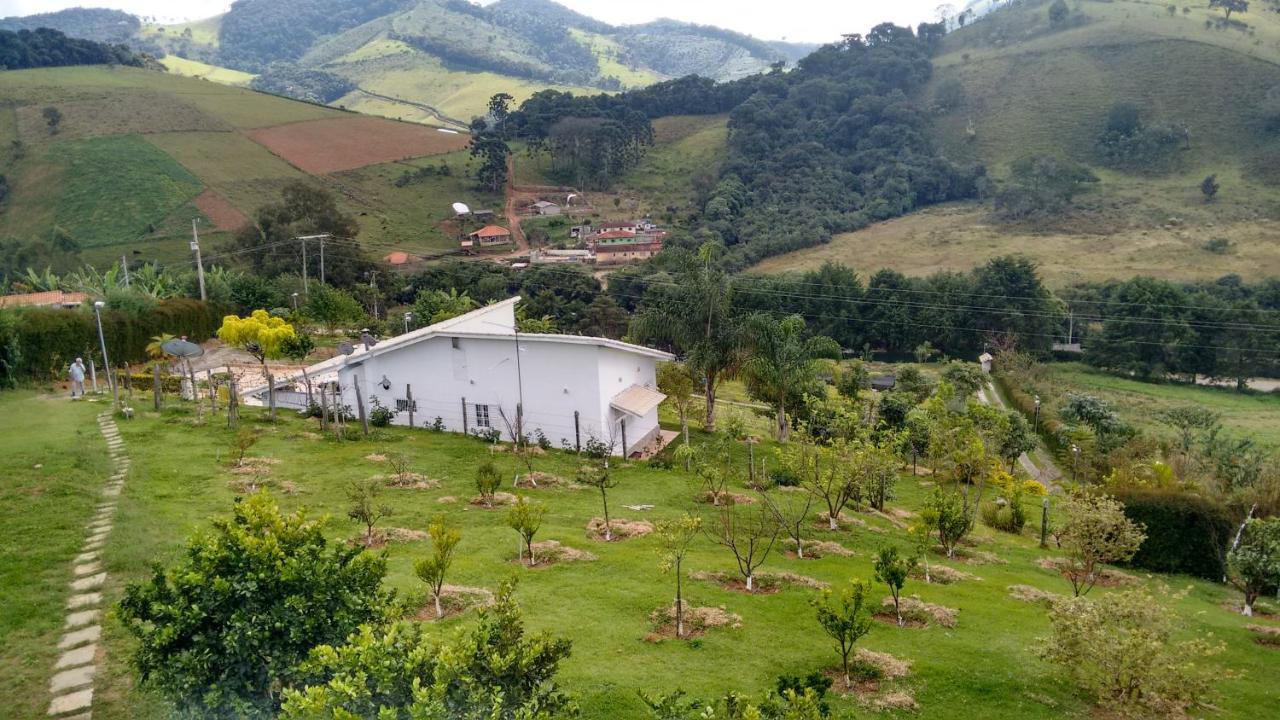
[
  {"x": 138, "y": 153},
  {"x": 1014, "y": 83}
]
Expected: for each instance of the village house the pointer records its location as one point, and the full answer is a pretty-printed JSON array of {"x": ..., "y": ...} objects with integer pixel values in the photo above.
[
  {"x": 51, "y": 298},
  {"x": 543, "y": 207},
  {"x": 487, "y": 236},
  {"x": 477, "y": 374}
]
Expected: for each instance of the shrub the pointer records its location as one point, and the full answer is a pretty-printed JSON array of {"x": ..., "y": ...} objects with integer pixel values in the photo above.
[
  {"x": 1006, "y": 515},
  {"x": 1186, "y": 533},
  {"x": 1120, "y": 649},
  {"x": 381, "y": 415}
]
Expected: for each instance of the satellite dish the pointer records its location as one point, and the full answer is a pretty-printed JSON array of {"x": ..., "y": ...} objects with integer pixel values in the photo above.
[
  {"x": 346, "y": 348},
  {"x": 461, "y": 208},
  {"x": 182, "y": 349}
]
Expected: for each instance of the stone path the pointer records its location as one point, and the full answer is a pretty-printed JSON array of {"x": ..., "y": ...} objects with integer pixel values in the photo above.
[
  {"x": 1048, "y": 473},
  {"x": 72, "y": 683}
]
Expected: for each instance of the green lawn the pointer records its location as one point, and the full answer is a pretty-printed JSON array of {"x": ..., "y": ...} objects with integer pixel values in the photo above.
[{"x": 983, "y": 668}]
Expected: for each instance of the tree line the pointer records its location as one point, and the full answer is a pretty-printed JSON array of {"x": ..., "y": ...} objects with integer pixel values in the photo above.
[{"x": 44, "y": 47}]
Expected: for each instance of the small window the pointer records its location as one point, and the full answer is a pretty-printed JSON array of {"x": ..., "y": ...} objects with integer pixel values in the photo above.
[
  {"x": 455, "y": 343},
  {"x": 482, "y": 416},
  {"x": 402, "y": 404}
]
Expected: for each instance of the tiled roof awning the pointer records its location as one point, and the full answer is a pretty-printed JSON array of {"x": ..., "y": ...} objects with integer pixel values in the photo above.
[{"x": 637, "y": 400}]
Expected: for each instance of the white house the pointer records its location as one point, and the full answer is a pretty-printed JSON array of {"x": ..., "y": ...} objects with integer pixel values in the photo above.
[{"x": 475, "y": 373}]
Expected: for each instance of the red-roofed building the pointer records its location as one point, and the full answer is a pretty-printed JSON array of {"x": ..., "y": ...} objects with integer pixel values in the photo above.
[
  {"x": 52, "y": 298},
  {"x": 488, "y": 235},
  {"x": 399, "y": 257}
]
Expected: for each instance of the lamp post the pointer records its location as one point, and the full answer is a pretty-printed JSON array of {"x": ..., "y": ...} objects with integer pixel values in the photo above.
[
  {"x": 102, "y": 340},
  {"x": 295, "y": 301},
  {"x": 407, "y": 317},
  {"x": 1037, "y": 414},
  {"x": 1075, "y": 458}
]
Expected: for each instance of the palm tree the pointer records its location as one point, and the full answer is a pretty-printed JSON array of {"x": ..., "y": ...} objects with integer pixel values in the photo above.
[
  {"x": 783, "y": 362},
  {"x": 697, "y": 318}
]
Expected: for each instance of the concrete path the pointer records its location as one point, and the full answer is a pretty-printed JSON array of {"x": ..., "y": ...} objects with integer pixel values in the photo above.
[
  {"x": 1048, "y": 473},
  {"x": 72, "y": 684}
]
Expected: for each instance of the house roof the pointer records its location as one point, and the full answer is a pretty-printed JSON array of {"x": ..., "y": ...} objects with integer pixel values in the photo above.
[
  {"x": 614, "y": 235},
  {"x": 40, "y": 299},
  {"x": 637, "y": 400},
  {"x": 491, "y": 231},
  {"x": 399, "y": 257},
  {"x": 544, "y": 203},
  {"x": 448, "y": 328},
  {"x": 617, "y": 223}
]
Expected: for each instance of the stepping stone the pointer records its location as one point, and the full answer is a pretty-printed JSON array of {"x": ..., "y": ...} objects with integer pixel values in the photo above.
[
  {"x": 84, "y": 617},
  {"x": 99, "y": 535},
  {"x": 79, "y": 601},
  {"x": 111, "y": 491},
  {"x": 99, "y": 523},
  {"x": 70, "y": 679},
  {"x": 89, "y": 583},
  {"x": 64, "y": 704},
  {"x": 88, "y": 568},
  {"x": 94, "y": 544},
  {"x": 85, "y": 557},
  {"x": 80, "y": 637},
  {"x": 75, "y": 658}
]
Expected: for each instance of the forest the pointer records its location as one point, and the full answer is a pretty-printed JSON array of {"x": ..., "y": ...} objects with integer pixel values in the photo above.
[{"x": 49, "y": 48}]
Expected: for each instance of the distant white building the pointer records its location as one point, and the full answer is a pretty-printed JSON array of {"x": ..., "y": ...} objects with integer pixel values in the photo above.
[
  {"x": 543, "y": 207},
  {"x": 476, "y": 373}
]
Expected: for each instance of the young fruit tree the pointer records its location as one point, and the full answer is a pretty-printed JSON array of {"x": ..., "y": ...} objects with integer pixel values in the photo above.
[
  {"x": 365, "y": 508},
  {"x": 526, "y": 519},
  {"x": 487, "y": 482},
  {"x": 1253, "y": 565},
  {"x": 921, "y": 535},
  {"x": 431, "y": 570},
  {"x": 791, "y": 511},
  {"x": 1120, "y": 648},
  {"x": 823, "y": 471},
  {"x": 596, "y": 474},
  {"x": 713, "y": 465},
  {"x": 676, "y": 383},
  {"x": 221, "y": 631},
  {"x": 1095, "y": 531},
  {"x": 892, "y": 569},
  {"x": 947, "y": 514},
  {"x": 875, "y": 473},
  {"x": 675, "y": 537},
  {"x": 747, "y": 532},
  {"x": 845, "y": 618}
]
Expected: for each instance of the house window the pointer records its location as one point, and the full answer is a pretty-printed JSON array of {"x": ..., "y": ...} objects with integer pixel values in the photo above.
[
  {"x": 482, "y": 416},
  {"x": 455, "y": 343},
  {"x": 402, "y": 404}
]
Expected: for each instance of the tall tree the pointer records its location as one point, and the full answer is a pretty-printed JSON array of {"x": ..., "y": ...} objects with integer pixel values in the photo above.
[{"x": 783, "y": 364}]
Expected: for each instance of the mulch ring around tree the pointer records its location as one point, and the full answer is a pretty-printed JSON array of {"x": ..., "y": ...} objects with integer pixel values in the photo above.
[
  {"x": 724, "y": 497},
  {"x": 1236, "y": 607},
  {"x": 550, "y": 552},
  {"x": 697, "y": 621},
  {"x": 1105, "y": 577},
  {"x": 763, "y": 583},
  {"x": 619, "y": 529},
  {"x": 250, "y": 484},
  {"x": 454, "y": 600},
  {"x": 499, "y": 499},
  {"x": 916, "y": 613},
  {"x": 868, "y": 672},
  {"x": 1268, "y": 635},
  {"x": 970, "y": 556},
  {"x": 844, "y": 521},
  {"x": 941, "y": 574},
  {"x": 538, "y": 480},
  {"x": 386, "y": 536},
  {"x": 1026, "y": 593},
  {"x": 407, "y": 481},
  {"x": 814, "y": 549}
]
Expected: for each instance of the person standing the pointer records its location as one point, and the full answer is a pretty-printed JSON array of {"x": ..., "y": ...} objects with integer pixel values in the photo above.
[{"x": 76, "y": 373}]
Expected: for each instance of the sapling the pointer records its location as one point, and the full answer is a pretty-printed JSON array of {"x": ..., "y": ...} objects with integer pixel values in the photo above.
[
  {"x": 791, "y": 512},
  {"x": 431, "y": 570},
  {"x": 400, "y": 465},
  {"x": 526, "y": 518},
  {"x": 846, "y": 618},
  {"x": 1253, "y": 565},
  {"x": 676, "y": 536},
  {"x": 365, "y": 508},
  {"x": 244, "y": 439},
  {"x": 487, "y": 482},
  {"x": 892, "y": 569},
  {"x": 748, "y": 534},
  {"x": 1095, "y": 531},
  {"x": 597, "y": 475}
]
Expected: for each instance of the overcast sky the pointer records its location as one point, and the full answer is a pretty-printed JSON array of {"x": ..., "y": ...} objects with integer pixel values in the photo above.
[{"x": 797, "y": 20}]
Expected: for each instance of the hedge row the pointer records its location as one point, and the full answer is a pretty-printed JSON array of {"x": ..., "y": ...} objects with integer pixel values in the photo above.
[
  {"x": 1186, "y": 533},
  {"x": 49, "y": 339},
  {"x": 1051, "y": 429}
]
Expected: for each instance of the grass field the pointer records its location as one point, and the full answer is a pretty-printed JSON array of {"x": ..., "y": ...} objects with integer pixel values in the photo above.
[
  {"x": 608, "y": 52},
  {"x": 985, "y": 667},
  {"x": 203, "y": 71},
  {"x": 1139, "y": 403},
  {"x": 685, "y": 147}
]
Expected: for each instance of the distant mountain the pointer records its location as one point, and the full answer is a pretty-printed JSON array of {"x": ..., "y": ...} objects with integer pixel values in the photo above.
[{"x": 99, "y": 24}]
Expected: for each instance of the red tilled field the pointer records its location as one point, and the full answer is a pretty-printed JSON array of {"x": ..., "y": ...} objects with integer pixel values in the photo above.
[
  {"x": 220, "y": 211},
  {"x": 333, "y": 145}
]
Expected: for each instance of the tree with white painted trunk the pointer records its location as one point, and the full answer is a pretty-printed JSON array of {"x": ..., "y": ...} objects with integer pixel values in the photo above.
[
  {"x": 824, "y": 471},
  {"x": 791, "y": 511},
  {"x": 1253, "y": 565},
  {"x": 747, "y": 531},
  {"x": 526, "y": 519},
  {"x": 676, "y": 536}
]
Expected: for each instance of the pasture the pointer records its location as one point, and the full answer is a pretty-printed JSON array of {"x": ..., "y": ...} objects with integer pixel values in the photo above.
[
  {"x": 326, "y": 146},
  {"x": 984, "y": 667}
]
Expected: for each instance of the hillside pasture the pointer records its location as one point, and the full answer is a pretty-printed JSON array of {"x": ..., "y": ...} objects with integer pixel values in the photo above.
[
  {"x": 686, "y": 149},
  {"x": 222, "y": 158},
  {"x": 984, "y": 667},
  {"x": 116, "y": 113},
  {"x": 220, "y": 211},
  {"x": 333, "y": 145},
  {"x": 204, "y": 71}
]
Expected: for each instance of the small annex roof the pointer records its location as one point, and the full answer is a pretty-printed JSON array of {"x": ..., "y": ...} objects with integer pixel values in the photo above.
[
  {"x": 397, "y": 257},
  {"x": 42, "y": 299},
  {"x": 491, "y": 231},
  {"x": 637, "y": 400},
  {"x": 614, "y": 235}
]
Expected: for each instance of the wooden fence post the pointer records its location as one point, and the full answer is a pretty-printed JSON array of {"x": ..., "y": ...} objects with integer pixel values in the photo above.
[
  {"x": 623, "y": 424},
  {"x": 310, "y": 398},
  {"x": 324, "y": 410},
  {"x": 464, "y": 416},
  {"x": 577, "y": 432},
  {"x": 364, "y": 419},
  {"x": 271, "y": 395},
  {"x": 233, "y": 405},
  {"x": 157, "y": 390},
  {"x": 213, "y": 391},
  {"x": 408, "y": 391}
]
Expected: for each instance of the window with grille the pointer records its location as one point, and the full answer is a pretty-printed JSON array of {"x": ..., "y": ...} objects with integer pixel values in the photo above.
[
  {"x": 482, "y": 416},
  {"x": 402, "y": 404}
]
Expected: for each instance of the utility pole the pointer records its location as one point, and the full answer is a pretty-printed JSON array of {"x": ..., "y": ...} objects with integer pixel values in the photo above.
[
  {"x": 306, "y": 290},
  {"x": 322, "y": 237},
  {"x": 124, "y": 263},
  {"x": 1071, "y": 325},
  {"x": 373, "y": 283},
  {"x": 304, "y": 239},
  {"x": 195, "y": 245}
]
